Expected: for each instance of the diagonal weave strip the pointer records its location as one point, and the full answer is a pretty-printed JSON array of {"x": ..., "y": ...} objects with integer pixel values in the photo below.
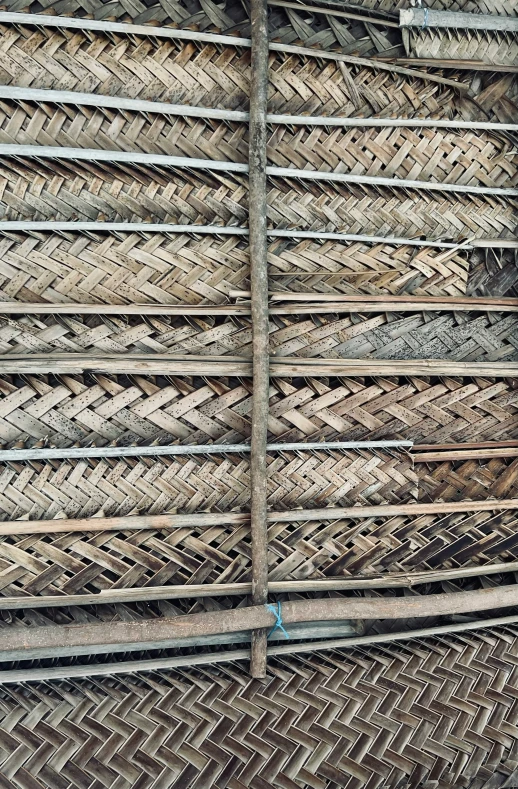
[
  {"x": 391, "y": 717},
  {"x": 462, "y": 336},
  {"x": 313, "y": 266},
  {"x": 489, "y": 46},
  {"x": 464, "y": 158},
  {"x": 468, "y": 480},
  {"x": 82, "y": 562},
  {"x": 122, "y": 268},
  {"x": 99, "y": 409},
  {"x": 149, "y": 486}
]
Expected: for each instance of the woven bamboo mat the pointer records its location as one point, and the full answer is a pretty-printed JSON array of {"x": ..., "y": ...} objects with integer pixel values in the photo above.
[
  {"x": 122, "y": 268},
  {"x": 313, "y": 266},
  {"x": 470, "y": 479},
  {"x": 324, "y": 721},
  {"x": 489, "y": 46},
  {"x": 463, "y": 336},
  {"x": 102, "y": 191},
  {"x": 81, "y": 562},
  {"x": 493, "y": 272},
  {"x": 99, "y": 409},
  {"x": 147, "y": 485},
  {"x": 162, "y": 269}
]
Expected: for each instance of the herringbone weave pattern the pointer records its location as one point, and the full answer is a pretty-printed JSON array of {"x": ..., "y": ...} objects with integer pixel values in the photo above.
[
  {"x": 312, "y": 266},
  {"x": 68, "y": 191},
  {"x": 80, "y": 126},
  {"x": 190, "y": 484},
  {"x": 490, "y": 46},
  {"x": 157, "y": 268},
  {"x": 441, "y": 411},
  {"x": 469, "y": 158},
  {"x": 376, "y": 718},
  {"x": 469, "y": 480},
  {"x": 100, "y": 409},
  {"x": 122, "y": 269},
  {"x": 79, "y": 562},
  {"x": 447, "y": 335}
]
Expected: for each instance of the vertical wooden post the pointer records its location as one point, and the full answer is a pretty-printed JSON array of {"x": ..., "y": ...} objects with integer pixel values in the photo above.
[{"x": 259, "y": 289}]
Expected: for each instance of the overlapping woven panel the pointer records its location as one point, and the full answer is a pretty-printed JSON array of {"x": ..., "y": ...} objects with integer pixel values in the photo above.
[
  {"x": 318, "y": 266},
  {"x": 493, "y": 272},
  {"x": 397, "y": 717},
  {"x": 147, "y": 485},
  {"x": 109, "y": 129},
  {"x": 490, "y": 46},
  {"x": 122, "y": 268},
  {"x": 463, "y": 336},
  {"x": 464, "y": 480}
]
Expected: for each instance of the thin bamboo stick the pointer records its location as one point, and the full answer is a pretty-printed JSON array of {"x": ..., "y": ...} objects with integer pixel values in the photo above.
[{"x": 203, "y": 519}]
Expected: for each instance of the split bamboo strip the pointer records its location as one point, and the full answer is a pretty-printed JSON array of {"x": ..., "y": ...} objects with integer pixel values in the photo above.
[
  {"x": 392, "y": 580},
  {"x": 427, "y": 17},
  {"x": 137, "y": 522}
]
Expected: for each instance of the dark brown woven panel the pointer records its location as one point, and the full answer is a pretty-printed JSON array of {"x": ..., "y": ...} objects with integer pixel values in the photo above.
[
  {"x": 68, "y": 191},
  {"x": 122, "y": 269},
  {"x": 442, "y": 335},
  {"x": 96, "y": 408},
  {"x": 493, "y": 272},
  {"x": 100, "y": 409},
  {"x": 145, "y": 68},
  {"x": 78, "y": 562},
  {"x": 445, "y": 410},
  {"x": 376, "y": 718},
  {"x": 467, "y": 158},
  {"x": 81, "y": 126},
  {"x": 469, "y": 480},
  {"x": 152, "y": 486},
  {"x": 313, "y": 266}
]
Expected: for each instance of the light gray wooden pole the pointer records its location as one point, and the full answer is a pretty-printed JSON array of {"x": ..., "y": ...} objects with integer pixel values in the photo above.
[{"x": 259, "y": 309}]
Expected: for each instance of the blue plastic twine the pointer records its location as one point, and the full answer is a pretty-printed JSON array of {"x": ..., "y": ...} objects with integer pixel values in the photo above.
[
  {"x": 278, "y": 621},
  {"x": 425, "y": 19}
]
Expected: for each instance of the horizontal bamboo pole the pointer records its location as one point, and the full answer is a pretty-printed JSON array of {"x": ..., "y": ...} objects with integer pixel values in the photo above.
[
  {"x": 203, "y": 519},
  {"x": 163, "y": 160},
  {"x": 55, "y": 641},
  {"x": 64, "y": 22},
  {"x": 289, "y": 648},
  {"x": 70, "y": 453},
  {"x": 281, "y": 367},
  {"x": 467, "y": 454},
  {"x": 402, "y": 580}
]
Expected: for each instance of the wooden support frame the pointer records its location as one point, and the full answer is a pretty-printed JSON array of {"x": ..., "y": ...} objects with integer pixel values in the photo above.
[{"x": 260, "y": 323}]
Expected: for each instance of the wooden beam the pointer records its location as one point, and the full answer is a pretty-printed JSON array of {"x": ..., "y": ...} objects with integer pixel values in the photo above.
[
  {"x": 467, "y": 454},
  {"x": 213, "y": 658},
  {"x": 202, "y": 520},
  {"x": 426, "y": 17},
  {"x": 62, "y": 640},
  {"x": 280, "y": 367},
  {"x": 257, "y": 221}
]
